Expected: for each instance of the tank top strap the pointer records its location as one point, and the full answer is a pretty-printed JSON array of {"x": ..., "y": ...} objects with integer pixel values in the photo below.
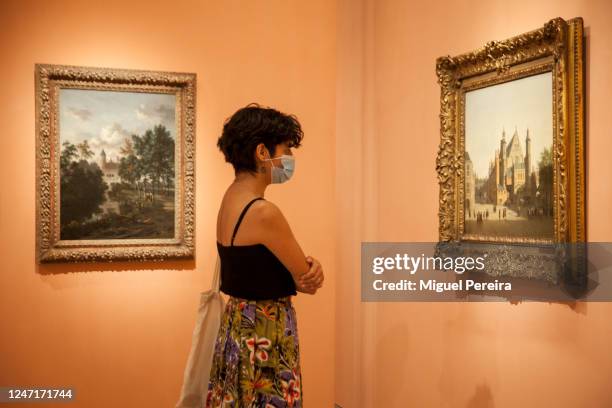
[{"x": 244, "y": 210}]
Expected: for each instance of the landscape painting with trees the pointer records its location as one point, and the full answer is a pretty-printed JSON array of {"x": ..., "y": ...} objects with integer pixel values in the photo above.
[{"x": 117, "y": 164}]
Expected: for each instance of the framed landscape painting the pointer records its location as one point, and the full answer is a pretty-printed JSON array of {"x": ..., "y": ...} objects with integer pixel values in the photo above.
[
  {"x": 510, "y": 162},
  {"x": 115, "y": 161}
]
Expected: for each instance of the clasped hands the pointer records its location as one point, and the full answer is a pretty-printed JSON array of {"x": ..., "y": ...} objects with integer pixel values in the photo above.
[{"x": 313, "y": 279}]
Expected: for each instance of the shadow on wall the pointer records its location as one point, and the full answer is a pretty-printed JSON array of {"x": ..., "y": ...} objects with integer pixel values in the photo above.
[{"x": 482, "y": 398}]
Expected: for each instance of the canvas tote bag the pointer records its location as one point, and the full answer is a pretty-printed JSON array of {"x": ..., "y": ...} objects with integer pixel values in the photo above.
[{"x": 199, "y": 362}]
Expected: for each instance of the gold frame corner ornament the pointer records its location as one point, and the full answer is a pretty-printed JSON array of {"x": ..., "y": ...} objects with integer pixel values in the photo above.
[{"x": 49, "y": 79}]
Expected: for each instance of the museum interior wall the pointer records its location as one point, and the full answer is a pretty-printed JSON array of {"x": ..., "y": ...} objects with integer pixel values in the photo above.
[
  {"x": 360, "y": 75},
  {"x": 120, "y": 333},
  {"x": 472, "y": 355}
]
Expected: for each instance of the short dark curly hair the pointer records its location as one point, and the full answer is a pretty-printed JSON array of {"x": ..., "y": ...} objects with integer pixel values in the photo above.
[{"x": 252, "y": 125}]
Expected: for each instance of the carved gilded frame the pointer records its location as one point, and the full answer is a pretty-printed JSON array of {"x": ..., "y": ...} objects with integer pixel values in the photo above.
[
  {"x": 556, "y": 47},
  {"x": 49, "y": 248}
]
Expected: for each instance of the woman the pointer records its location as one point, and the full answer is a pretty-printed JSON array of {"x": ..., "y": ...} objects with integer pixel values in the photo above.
[{"x": 256, "y": 361}]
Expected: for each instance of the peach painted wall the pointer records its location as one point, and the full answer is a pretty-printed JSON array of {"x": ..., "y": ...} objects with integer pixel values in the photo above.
[
  {"x": 120, "y": 333},
  {"x": 369, "y": 106},
  {"x": 479, "y": 355}
]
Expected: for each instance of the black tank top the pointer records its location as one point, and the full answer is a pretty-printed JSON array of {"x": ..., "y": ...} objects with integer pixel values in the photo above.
[{"x": 253, "y": 271}]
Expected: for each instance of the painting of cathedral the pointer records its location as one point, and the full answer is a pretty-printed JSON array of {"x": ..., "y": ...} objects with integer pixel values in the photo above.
[
  {"x": 509, "y": 176},
  {"x": 510, "y": 171}
]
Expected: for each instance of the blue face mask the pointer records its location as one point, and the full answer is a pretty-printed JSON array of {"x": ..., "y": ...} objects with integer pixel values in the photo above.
[{"x": 282, "y": 174}]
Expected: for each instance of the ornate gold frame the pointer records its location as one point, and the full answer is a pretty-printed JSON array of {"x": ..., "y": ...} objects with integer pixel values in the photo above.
[
  {"x": 556, "y": 47},
  {"x": 49, "y": 248}
]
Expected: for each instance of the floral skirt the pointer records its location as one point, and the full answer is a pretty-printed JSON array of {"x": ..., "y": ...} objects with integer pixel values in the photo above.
[{"x": 256, "y": 360}]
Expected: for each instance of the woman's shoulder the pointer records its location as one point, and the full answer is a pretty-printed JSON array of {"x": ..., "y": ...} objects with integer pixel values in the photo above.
[
  {"x": 270, "y": 222},
  {"x": 266, "y": 210},
  {"x": 266, "y": 217}
]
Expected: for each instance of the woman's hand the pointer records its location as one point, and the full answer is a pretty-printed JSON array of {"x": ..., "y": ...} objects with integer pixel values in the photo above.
[{"x": 313, "y": 279}]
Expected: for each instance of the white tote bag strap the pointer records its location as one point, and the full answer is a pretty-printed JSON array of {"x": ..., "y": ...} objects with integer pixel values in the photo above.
[
  {"x": 216, "y": 283},
  {"x": 200, "y": 359}
]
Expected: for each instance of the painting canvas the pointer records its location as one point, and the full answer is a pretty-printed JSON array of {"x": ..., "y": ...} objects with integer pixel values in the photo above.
[
  {"x": 117, "y": 168},
  {"x": 508, "y": 159}
]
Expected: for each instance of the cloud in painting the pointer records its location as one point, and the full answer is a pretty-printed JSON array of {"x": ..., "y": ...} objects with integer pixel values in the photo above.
[
  {"x": 110, "y": 139},
  {"x": 156, "y": 113},
  {"x": 82, "y": 114}
]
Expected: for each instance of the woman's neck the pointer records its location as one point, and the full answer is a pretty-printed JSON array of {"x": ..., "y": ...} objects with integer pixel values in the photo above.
[{"x": 252, "y": 183}]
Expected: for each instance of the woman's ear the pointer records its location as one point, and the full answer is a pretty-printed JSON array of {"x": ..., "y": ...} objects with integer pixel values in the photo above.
[
  {"x": 260, "y": 154},
  {"x": 260, "y": 157}
]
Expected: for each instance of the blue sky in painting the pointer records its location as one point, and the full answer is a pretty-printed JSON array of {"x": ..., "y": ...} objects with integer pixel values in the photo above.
[
  {"x": 522, "y": 103},
  {"x": 106, "y": 118}
]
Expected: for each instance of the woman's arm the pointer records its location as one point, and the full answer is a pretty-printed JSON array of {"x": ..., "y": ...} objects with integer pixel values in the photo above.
[{"x": 278, "y": 237}]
